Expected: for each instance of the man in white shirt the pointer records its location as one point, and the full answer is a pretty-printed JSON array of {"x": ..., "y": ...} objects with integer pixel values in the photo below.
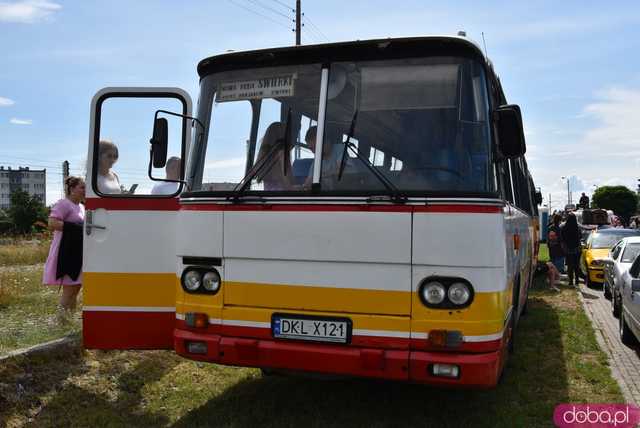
[{"x": 173, "y": 173}]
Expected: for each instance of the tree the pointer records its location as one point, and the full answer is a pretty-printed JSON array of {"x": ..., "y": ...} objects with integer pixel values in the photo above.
[
  {"x": 25, "y": 210},
  {"x": 622, "y": 201}
]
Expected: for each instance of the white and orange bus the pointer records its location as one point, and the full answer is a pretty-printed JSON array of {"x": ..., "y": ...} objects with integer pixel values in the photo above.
[{"x": 359, "y": 209}]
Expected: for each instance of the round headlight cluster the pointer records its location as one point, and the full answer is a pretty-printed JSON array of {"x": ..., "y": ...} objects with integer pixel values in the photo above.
[
  {"x": 445, "y": 292},
  {"x": 201, "y": 280}
]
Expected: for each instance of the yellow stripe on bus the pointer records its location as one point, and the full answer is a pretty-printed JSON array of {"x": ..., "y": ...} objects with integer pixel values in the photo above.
[
  {"x": 311, "y": 298},
  {"x": 256, "y": 302},
  {"x": 129, "y": 289}
]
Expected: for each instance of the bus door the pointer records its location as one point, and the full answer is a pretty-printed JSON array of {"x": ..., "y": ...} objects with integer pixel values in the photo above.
[{"x": 129, "y": 261}]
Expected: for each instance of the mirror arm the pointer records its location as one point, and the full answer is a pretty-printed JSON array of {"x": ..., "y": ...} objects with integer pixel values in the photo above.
[{"x": 196, "y": 120}]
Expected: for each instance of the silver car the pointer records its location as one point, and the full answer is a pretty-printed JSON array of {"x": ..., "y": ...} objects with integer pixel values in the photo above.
[
  {"x": 629, "y": 289},
  {"x": 619, "y": 261}
]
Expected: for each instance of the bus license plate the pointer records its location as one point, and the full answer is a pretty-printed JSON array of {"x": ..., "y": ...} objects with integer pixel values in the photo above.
[{"x": 314, "y": 329}]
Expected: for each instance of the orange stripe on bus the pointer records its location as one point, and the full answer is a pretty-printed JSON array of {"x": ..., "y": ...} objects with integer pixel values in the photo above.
[
  {"x": 348, "y": 300},
  {"x": 129, "y": 289}
]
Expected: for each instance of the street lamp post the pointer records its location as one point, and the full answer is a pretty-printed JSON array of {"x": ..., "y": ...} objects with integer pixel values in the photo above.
[{"x": 568, "y": 190}]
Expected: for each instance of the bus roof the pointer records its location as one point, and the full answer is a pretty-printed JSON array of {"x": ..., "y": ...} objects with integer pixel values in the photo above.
[{"x": 358, "y": 50}]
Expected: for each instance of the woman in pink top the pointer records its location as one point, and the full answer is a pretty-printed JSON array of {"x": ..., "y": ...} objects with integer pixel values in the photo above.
[{"x": 68, "y": 210}]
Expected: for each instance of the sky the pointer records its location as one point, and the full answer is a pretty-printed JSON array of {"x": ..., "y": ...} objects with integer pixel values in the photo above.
[{"x": 572, "y": 66}]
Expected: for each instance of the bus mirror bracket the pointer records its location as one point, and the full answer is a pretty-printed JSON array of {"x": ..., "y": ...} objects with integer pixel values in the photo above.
[
  {"x": 160, "y": 141},
  {"x": 511, "y": 142}
]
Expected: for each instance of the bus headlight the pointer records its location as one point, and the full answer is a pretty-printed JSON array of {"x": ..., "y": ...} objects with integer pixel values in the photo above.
[
  {"x": 211, "y": 281},
  {"x": 442, "y": 292},
  {"x": 433, "y": 293},
  {"x": 458, "y": 293},
  {"x": 191, "y": 280}
]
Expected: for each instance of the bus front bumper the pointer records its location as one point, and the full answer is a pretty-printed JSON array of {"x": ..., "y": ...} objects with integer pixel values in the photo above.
[{"x": 480, "y": 370}]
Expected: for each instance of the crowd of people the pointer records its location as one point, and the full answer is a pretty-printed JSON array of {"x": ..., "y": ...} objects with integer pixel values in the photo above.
[{"x": 564, "y": 241}]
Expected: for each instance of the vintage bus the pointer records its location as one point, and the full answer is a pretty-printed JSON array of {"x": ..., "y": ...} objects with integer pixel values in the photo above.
[{"x": 359, "y": 209}]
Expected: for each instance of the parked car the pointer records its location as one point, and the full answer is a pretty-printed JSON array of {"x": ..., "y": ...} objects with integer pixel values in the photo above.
[
  {"x": 630, "y": 304},
  {"x": 619, "y": 261},
  {"x": 596, "y": 250}
]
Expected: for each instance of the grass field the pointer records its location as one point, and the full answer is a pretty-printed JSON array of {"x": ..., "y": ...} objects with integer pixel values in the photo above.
[
  {"x": 556, "y": 361},
  {"x": 24, "y": 253},
  {"x": 27, "y": 309}
]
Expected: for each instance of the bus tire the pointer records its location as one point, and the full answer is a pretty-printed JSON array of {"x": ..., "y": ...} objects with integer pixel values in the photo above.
[{"x": 267, "y": 372}]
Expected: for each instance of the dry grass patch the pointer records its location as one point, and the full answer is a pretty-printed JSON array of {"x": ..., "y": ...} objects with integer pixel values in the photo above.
[{"x": 26, "y": 253}]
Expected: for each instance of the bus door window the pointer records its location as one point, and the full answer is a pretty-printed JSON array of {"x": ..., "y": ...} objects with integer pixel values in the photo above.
[{"x": 122, "y": 147}]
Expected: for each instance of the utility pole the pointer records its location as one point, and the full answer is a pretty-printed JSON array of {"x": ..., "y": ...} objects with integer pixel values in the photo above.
[
  {"x": 65, "y": 175},
  {"x": 298, "y": 22},
  {"x": 550, "y": 211}
]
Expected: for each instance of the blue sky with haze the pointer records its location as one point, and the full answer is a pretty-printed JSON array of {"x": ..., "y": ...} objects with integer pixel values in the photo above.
[{"x": 573, "y": 67}]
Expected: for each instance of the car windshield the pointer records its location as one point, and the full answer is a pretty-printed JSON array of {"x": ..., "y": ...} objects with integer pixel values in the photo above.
[
  {"x": 631, "y": 251},
  {"x": 608, "y": 240},
  {"x": 422, "y": 124}
]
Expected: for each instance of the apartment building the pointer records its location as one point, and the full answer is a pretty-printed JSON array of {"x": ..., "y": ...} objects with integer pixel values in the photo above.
[{"x": 33, "y": 181}]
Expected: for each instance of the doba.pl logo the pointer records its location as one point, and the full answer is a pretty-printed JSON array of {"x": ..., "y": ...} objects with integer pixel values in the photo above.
[{"x": 596, "y": 415}]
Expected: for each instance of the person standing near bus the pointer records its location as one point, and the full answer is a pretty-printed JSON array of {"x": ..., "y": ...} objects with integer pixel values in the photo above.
[
  {"x": 584, "y": 201},
  {"x": 65, "y": 220},
  {"x": 556, "y": 252},
  {"x": 571, "y": 236}
]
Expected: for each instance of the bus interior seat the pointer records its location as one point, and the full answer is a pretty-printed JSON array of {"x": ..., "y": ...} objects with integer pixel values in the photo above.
[{"x": 300, "y": 169}]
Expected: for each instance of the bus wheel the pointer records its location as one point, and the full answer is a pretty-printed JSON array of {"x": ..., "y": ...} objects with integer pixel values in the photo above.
[{"x": 268, "y": 372}]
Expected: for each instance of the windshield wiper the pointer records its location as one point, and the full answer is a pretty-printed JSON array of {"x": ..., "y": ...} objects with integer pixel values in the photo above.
[
  {"x": 267, "y": 159},
  {"x": 396, "y": 195},
  {"x": 352, "y": 128},
  {"x": 286, "y": 142}
]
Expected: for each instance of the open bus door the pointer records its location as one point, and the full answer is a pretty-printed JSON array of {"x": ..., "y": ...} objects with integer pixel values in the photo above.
[{"x": 129, "y": 239}]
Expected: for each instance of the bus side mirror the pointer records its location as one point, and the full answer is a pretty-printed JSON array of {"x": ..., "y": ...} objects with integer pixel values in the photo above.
[
  {"x": 510, "y": 132},
  {"x": 159, "y": 142}
]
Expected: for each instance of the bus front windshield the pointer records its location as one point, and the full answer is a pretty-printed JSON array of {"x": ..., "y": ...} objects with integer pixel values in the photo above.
[{"x": 421, "y": 123}]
